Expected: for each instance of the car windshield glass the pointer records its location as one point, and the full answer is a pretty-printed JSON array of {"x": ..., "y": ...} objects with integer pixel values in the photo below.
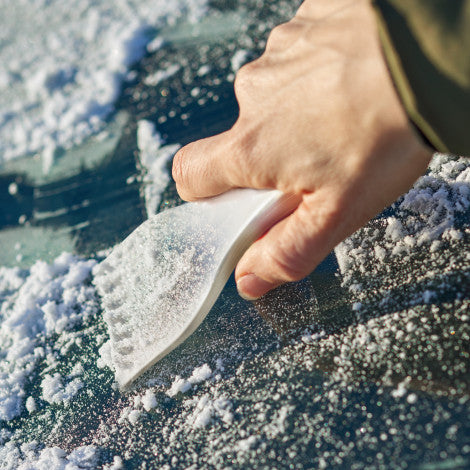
[{"x": 363, "y": 364}]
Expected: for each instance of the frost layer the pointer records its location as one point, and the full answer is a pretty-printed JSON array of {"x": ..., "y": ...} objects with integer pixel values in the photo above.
[{"x": 433, "y": 213}]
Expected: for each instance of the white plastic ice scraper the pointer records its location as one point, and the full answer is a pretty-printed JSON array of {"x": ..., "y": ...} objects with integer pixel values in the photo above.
[{"x": 159, "y": 284}]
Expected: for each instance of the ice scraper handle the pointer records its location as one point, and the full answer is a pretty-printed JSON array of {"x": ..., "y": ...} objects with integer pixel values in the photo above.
[{"x": 244, "y": 215}]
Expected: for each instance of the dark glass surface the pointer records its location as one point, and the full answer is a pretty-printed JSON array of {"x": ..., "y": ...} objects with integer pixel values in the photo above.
[{"x": 368, "y": 370}]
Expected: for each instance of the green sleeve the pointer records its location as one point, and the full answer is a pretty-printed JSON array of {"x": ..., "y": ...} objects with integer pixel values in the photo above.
[{"x": 427, "y": 47}]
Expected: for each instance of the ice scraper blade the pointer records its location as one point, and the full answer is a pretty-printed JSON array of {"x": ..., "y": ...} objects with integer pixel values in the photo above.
[{"x": 159, "y": 284}]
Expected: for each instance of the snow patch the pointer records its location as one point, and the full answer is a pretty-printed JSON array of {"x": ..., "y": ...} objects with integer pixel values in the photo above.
[
  {"x": 149, "y": 400},
  {"x": 207, "y": 409},
  {"x": 32, "y": 456},
  {"x": 155, "y": 78},
  {"x": 63, "y": 65},
  {"x": 47, "y": 299},
  {"x": 180, "y": 385},
  {"x": 154, "y": 159},
  {"x": 240, "y": 58},
  {"x": 54, "y": 390}
]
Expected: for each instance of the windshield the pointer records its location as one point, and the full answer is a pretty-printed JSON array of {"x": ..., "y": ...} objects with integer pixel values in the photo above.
[{"x": 364, "y": 364}]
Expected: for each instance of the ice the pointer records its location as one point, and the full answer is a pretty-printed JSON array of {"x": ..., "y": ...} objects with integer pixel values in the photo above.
[
  {"x": 116, "y": 465},
  {"x": 31, "y": 405},
  {"x": 154, "y": 159},
  {"x": 155, "y": 44},
  {"x": 63, "y": 65},
  {"x": 47, "y": 299},
  {"x": 203, "y": 70},
  {"x": 180, "y": 385},
  {"x": 401, "y": 389},
  {"x": 246, "y": 444},
  {"x": 206, "y": 409},
  {"x": 425, "y": 216},
  {"x": 134, "y": 416},
  {"x": 160, "y": 75},
  {"x": 149, "y": 400},
  {"x": 203, "y": 413},
  {"x": 32, "y": 456},
  {"x": 13, "y": 189},
  {"x": 238, "y": 59},
  {"x": 54, "y": 390},
  {"x": 63, "y": 297}
]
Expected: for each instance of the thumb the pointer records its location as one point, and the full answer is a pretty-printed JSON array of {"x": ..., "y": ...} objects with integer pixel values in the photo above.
[
  {"x": 289, "y": 251},
  {"x": 207, "y": 167}
]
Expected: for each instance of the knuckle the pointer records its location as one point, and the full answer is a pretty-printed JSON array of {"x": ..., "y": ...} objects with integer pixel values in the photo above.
[
  {"x": 245, "y": 78},
  {"x": 248, "y": 165},
  {"x": 283, "y": 35},
  {"x": 276, "y": 36}
]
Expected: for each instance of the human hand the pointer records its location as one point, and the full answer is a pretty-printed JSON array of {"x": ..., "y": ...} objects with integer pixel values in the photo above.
[{"x": 319, "y": 118}]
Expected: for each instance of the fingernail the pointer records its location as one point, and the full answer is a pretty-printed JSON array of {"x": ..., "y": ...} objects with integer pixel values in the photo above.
[{"x": 251, "y": 287}]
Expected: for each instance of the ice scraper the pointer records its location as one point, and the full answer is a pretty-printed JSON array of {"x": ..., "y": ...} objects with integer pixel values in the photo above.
[{"x": 158, "y": 285}]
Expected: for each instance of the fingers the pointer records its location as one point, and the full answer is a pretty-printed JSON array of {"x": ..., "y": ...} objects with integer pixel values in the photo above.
[
  {"x": 202, "y": 168},
  {"x": 233, "y": 159},
  {"x": 290, "y": 250}
]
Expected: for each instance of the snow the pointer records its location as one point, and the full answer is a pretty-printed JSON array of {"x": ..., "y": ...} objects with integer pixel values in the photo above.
[
  {"x": 63, "y": 65},
  {"x": 50, "y": 300},
  {"x": 149, "y": 400},
  {"x": 207, "y": 409},
  {"x": 54, "y": 390},
  {"x": 47, "y": 299},
  {"x": 30, "y": 405},
  {"x": 13, "y": 189},
  {"x": 238, "y": 59},
  {"x": 200, "y": 374},
  {"x": 155, "y": 78},
  {"x": 203, "y": 70},
  {"x": 246, "y": 444},
  {"x": 134, "y": 416},
  {"x": 154, "y": 159},
  {"x": 309, "y": 337},
  {"x": 116, "y": 465},
  {"x": 401, "y": 389},
  {"x": 426, "y": 216},
  {"x": 31, "y": 456}
]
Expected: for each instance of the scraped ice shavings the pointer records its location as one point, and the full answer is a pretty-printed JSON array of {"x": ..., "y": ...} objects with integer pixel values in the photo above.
[
  {"x": 428, "y": 215},
  {"x": 153, "y": 159},
  {"x": 149, "y": 400},
  {"x": 161, "y": 273},
  {"x": 207, "y": 409},
  {"x": 35, "y": 304},
  {"x": 200, "y": 410},
  {"x": 239, "y": 58},
  {"x": 33, "y": 456},
  {"x": 180, "y": 385},
  {"x": 117, "y": 464},
  {"x": 64, "y": 63},
  {"x": 54, "y": 390},
  {"x": 160, "y": 75},
  {"x": 407, "y": 263}
]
